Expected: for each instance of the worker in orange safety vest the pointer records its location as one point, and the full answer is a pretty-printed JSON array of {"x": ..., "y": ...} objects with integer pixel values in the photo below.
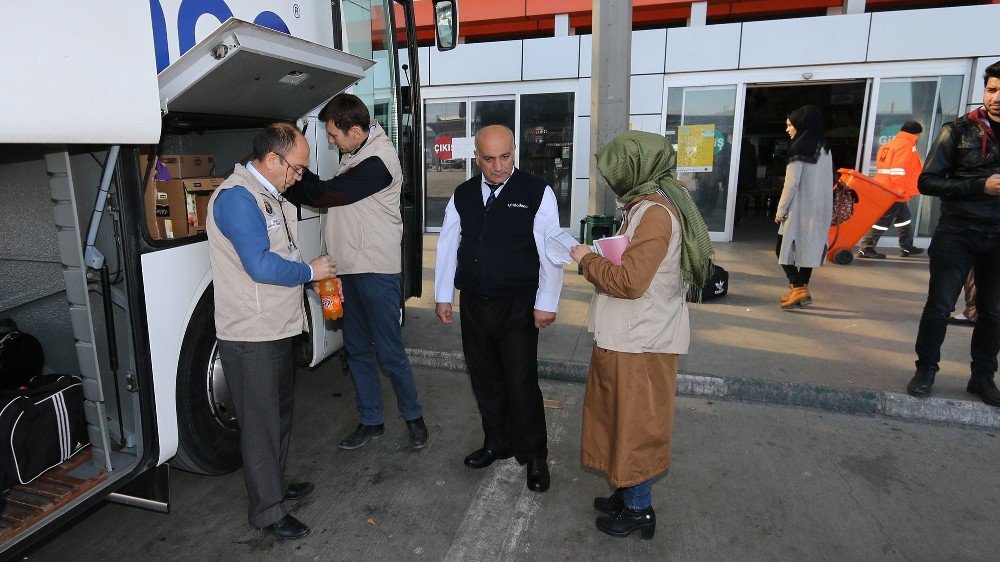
[{"x": 898, "y": 166}]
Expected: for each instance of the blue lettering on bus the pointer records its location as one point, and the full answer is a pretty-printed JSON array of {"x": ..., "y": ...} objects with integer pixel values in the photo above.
[{"x": 187, "y": 18}]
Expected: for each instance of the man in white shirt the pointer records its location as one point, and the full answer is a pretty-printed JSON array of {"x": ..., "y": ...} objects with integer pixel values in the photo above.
[{"x": 492, "y": 249}]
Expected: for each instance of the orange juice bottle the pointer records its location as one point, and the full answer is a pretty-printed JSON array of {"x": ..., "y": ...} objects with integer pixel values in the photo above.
[{"x": 330, "y": 295}]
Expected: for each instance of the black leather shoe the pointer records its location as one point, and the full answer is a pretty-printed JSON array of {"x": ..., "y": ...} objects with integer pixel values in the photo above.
[
  {"x": 871, "y": 254},
  {"x": 625, "y": 522},
  {"x": 418, "y": 433},
  {"x": 610, "y": 504},
  {"x": 288, "y": 527},
  {"x": 985, "y": 388},
  {"x": 481, "y": 458},
  {"x": 538, "y": 475},
  {"x": 299, "y": 490},
  {"x": 921, "y": 383},
  {"x": 911, "y": 251},
  {"x": 361, "y": 435}
]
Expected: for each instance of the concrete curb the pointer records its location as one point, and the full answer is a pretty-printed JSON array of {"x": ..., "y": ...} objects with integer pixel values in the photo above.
[{"x": 848, "y": 401}]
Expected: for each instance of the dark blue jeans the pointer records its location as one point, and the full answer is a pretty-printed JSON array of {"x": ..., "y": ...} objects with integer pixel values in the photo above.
[
  {"x": 640, "y": 496},
  {"x": 373, "y": 338},
  {"x": 954, "y": 250}
]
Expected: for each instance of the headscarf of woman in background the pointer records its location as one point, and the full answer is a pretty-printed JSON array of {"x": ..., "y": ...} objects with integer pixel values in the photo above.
[{"x": 809, "y": 139}]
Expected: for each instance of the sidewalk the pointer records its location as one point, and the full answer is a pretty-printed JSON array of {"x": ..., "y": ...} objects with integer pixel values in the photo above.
[{"x": 851, "y": 351}]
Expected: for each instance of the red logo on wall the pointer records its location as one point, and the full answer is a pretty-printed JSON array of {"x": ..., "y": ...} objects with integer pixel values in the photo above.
[{"x": 442, "y": 147}]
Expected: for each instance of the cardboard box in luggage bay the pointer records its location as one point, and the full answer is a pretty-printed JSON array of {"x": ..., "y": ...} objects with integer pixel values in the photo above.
[
  {"x": 170, "y": 205},
  {"x": 198, "y": 191},
  {"x": 184, "y": 166}
]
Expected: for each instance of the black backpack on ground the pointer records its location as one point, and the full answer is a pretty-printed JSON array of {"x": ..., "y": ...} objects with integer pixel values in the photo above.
[{"x": 40, "y": 427}]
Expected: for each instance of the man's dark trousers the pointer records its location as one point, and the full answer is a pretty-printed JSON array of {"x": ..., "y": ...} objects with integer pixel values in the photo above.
[
  {"x": 953, "y": 251},
  {"x": 500, "y": 342},
  {"x": 898, "y": 213},
  {"x": 259, "y": 376}
]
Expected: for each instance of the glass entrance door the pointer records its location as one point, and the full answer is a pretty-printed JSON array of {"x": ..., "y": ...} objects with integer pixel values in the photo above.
[
  {"x": 699, "y": 123},
  {"x": 930, "y": 101}
]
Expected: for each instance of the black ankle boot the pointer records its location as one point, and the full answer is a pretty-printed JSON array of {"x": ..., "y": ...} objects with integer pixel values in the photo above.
[
  {"x": 625, "y": 521},
  {"x": 985, "y": 388},
  {"x": 610, "y": 504},
  {"x": 921, "y": 383}
]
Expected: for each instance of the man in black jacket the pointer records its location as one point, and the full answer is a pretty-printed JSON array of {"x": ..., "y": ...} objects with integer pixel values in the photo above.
[{"x": 963, "y": 169}]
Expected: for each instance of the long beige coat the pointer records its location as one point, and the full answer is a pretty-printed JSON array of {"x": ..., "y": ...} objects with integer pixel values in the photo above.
[{"x": 628, "y": 407}]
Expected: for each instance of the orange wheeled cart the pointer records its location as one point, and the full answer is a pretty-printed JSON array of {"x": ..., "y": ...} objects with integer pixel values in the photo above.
[{"x": 874, "y": 199}]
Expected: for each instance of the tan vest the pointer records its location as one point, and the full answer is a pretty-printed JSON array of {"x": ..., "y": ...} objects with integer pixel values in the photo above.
[
  {"x": 244, "y": 309},
  {"x": 656, "y": 322},
  {"x": 367, "y": 236}
]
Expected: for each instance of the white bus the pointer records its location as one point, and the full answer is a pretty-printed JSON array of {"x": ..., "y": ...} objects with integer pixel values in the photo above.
[{"x": 94, "y": 260}]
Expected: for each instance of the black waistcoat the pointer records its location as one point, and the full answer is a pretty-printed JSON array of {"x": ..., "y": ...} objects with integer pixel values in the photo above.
[{"x": 497, "y": 254}]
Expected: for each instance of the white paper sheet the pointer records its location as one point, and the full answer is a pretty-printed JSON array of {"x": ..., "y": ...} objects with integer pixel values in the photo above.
[{"x": 558, "y": 244}]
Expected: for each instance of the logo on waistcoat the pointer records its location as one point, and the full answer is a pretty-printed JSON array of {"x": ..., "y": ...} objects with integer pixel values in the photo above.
[
  {"x": 268, "y": 208},
  {"x": 518, "y": 205}
]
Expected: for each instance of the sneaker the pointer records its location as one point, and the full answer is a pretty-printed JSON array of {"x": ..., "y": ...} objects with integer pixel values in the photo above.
[
  {"x": 871, "y": 253},
  {"x": 361, "y": 435},
  {"x": 985, "y": 388},
  {"x": 911, "y": 251},
  {"x": 418, "y": 433}
]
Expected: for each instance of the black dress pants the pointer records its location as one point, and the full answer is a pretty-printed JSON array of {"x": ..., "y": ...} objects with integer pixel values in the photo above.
[
  {"x": 954, "y": 250},
  {"x": 500, "y": 342},
  {"x": 259, "y": 376}
]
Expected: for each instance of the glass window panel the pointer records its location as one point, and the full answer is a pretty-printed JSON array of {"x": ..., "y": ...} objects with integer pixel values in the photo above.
[
  {"x": 930, "y": 101},
  {"x": 705, "y": 176},
  {"x": 546, "y": 143},
  {"x": 442, "y": 121},
  {"x": 369, "y": 35},
  {"x": 491, "y": 112}
]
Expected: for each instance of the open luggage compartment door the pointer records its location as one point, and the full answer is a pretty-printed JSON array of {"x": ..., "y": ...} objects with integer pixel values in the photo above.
[{"x": 245, "y": 70}]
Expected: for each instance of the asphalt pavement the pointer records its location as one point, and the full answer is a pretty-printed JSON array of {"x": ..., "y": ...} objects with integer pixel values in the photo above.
[{"x": 748, "y": 482}]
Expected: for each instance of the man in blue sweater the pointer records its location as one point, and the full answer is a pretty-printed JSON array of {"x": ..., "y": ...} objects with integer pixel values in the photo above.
[{"x": 258, "y": 274}]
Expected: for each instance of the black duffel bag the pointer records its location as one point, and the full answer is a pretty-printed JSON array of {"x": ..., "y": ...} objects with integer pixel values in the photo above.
[
  {"x": 40, "y": 427},
  {"x": 21, "y": 356},
  {"x": 717, "y": 285}
]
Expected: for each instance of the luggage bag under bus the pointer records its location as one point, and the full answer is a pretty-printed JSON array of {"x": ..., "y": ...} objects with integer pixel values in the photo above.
[{"x": 40, "y": 427}]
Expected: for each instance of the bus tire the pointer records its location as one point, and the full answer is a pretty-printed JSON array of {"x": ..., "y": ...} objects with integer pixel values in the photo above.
[{"x": 208, "y": 433}]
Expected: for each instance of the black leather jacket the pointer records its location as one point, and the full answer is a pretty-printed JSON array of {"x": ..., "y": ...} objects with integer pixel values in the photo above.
[{"x": 956, "y": 171}]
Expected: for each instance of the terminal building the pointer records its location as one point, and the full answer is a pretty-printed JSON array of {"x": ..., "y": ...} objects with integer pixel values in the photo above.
[{"x": 731, "y": 70}]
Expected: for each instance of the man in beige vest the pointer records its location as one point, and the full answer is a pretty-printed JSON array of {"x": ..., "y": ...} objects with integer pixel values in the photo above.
[
  {"x": 258, "y": 275},
  {"x": 364, "y": 233}
]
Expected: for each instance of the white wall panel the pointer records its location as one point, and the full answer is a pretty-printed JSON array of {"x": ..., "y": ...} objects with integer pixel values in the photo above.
[
  {"x": 648, "y": 123},
  {"x": 706, "y": 47},
  {"x": 425, "y": 65},
  {"x": 977, "y": 89},
  {"x": 583, "y": 97},
  {"x": 581, "y": 150},
  {"x": 498, "y": 61},
  {"x": 551, "y": 57},
  {"x": 646, "y": 94},
  {"x": 936, "y": 33},
  {"x": 648, "y": 51},
  {"x": 586, "y": 45},
  {"x": 805, "y": 41}
]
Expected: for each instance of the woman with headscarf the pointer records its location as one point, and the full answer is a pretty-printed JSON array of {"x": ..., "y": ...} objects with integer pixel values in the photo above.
[
  {"x": 806, "y": 204},
  {"x": 639, "y": 317}
]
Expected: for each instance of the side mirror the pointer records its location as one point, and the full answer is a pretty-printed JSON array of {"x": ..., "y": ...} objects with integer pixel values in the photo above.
[{"x": 445, "y": 24}]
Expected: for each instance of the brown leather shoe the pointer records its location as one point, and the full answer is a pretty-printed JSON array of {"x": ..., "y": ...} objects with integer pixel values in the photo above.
[
  {"x": 800, "y": 297},
  {"x": 791, "y": 289}
]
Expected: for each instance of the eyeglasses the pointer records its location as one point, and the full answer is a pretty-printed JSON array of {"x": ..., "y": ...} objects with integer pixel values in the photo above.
[{"x": 297, "y": 170}]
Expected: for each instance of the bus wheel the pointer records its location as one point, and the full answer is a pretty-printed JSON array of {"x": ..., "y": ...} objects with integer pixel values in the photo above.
[{"x": 208, "y": 433}]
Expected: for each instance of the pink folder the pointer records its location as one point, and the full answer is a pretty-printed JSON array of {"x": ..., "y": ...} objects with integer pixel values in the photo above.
[{"x": 612, "y": 248}]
